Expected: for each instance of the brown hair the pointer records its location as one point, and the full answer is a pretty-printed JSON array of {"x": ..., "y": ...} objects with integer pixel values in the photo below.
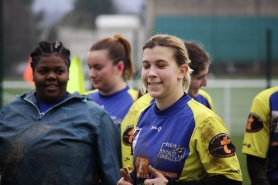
[
  {"x": 180, "y": 52},
  {"x": 119, "y": 49},
  {"x": 199, "y": 58}
]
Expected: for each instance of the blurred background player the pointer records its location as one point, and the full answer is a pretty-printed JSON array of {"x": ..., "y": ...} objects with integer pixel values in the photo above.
[
  {"x": 110, "y": 65},
  {"x": 200, "y": 62},
  {"x": 260, "y": 143}
]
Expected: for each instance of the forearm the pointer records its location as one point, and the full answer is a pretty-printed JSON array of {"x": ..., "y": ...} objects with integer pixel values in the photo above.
[
  {"x": 255, "y": 166},
  {"x": 215, "y": 180}
]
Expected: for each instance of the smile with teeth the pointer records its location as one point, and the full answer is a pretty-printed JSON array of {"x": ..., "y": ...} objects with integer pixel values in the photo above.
[
  {"x": 51, "y": 86},
  {"x": 154, "y": 83}
]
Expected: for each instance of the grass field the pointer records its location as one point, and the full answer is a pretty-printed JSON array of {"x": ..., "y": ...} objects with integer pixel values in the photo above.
[
  {"x": 232, "y": 101},
  {"x": 237, "y": 141},
  {"x": 232, "y": 105}
]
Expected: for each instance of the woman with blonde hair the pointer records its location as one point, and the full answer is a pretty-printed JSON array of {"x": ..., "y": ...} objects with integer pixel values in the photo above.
[{"x": 177, "y": 140}]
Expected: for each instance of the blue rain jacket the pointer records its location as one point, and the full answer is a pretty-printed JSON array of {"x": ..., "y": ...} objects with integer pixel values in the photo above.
[{"x": 74, "y": 142}]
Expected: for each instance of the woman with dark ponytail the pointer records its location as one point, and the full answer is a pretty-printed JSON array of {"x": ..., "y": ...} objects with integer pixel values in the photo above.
[
  {"x": 110, "y": 65},
  {"x": 50, "y": 136}
]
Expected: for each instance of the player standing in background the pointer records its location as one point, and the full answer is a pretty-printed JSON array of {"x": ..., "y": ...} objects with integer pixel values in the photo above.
[
  {"x": 177, "y": 140},
  {"x": 110, "y": 64},
  {"x": 260, "y": 143},
  {"x": 200, "y": 63}
]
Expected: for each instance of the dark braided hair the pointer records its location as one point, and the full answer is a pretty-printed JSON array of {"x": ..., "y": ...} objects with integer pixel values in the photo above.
[{"x": 47, "y": 49}]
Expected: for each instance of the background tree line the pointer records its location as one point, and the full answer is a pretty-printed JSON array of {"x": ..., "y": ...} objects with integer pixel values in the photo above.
[{"x": 23, "y": 28}]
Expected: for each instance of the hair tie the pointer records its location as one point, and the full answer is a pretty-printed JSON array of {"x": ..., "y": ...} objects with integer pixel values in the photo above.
[{"x": 57, "y": 44}]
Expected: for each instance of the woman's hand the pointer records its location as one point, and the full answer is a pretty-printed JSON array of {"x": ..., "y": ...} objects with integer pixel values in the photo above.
[
  {"x": 126, "y": 178},
  {"x": 159, "y": 179}
]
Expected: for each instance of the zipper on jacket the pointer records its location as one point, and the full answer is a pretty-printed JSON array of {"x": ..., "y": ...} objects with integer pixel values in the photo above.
[{"x": 71, "y": 97}]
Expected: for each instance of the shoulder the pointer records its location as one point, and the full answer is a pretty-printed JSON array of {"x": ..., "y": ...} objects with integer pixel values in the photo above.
[
  {"x": 91, "y": 92},
  {"x": 265, "y": 94},
  {"x": 203, "y": 93},
  {"x": 200, "y": 111},
  {"x": 30, "y": 96},
  {"x": 142, "y": 102},
  {"x": 84, "y": 101},
  {"x": 133, "y": 93},
  {"x": 12, "y": 104},
  {"x": 262, "y": 101},
  {"x": 207, "y": 98}
]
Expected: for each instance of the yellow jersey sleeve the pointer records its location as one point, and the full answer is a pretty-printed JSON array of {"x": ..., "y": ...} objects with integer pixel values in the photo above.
[
  {"x": 257, "y": 133},
  {"x": 127, "y": 128}
]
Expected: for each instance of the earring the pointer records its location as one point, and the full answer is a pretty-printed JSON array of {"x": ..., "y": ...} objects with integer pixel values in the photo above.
[{"x": 121, "y": 67}]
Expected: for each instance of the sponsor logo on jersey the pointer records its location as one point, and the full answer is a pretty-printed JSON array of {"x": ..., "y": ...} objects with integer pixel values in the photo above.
[
  {"x": 127, "y": 135},
  {"x": 171, "y": 152},
  {"x": 135, "y": 138},
  {"x": 254, "y": 123},
  {"x": 142, "y": 167},
  {"x": 221, "y": 146},
  {"x": 155, "y": 128}
]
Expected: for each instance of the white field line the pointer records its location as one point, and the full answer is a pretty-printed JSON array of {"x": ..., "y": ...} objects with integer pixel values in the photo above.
[
  {"x": 8, "y": 97},
  {"x": 212, "y": 83}
]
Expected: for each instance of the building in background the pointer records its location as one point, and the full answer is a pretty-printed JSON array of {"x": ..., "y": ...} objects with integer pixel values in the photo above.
[{"x": 233, "y": 32}]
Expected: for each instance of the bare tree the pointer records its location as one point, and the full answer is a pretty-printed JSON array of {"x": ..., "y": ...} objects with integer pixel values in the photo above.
[{"x": 19, "y": 33}]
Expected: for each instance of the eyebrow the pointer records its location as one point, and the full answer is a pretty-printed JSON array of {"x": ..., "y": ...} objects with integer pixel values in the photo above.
[
  {"x": 160, "y": 60},
  {"x": 201, "y": 76}
]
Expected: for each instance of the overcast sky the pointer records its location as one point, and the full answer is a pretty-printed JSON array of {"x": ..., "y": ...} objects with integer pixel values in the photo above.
[{"x": 55, "y": 9}]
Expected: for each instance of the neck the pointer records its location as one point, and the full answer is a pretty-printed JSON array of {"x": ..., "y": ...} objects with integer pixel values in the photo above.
[
  {"x": 167, "y": 101},
  {"x": 117, "y": 87}
]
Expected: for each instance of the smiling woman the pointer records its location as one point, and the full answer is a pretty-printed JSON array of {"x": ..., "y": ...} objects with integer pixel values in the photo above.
[
  {"x": 189, "y": 143},
  {"x": 50, "y": 72},
  {"x": 50, "y": 136}
]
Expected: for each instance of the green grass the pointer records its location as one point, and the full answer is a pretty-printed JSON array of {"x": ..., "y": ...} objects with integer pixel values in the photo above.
[{"x": 237, "y": 141}]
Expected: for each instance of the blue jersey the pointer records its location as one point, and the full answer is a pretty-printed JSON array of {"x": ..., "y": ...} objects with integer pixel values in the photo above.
[
  {"x": 129, "y": 122},
  {"x": 185, "y": 141},
  {"x": 117, "y": 104},
  {"x": 261, "y": 134},
  {"x": 205, "y": 99}
]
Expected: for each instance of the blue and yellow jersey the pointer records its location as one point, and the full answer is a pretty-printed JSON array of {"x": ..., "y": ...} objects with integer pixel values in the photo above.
[
  {"x": 127, "y": 126},
  {"x": 186, "y": 141},
  {"x": 261, "y": 134},
  {"x": 205, "y": 99},
  {"x": 117, "y": 105}
]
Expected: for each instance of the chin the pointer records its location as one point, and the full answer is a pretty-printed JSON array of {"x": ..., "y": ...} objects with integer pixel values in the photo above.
[
  {"x": 154, "y": 94},
  {"x": 96, "y": 86},
  {"x": 194, "y": 95}
]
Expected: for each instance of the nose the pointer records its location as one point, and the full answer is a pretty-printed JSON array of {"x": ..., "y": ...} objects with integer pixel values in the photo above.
[
  {"x": 92, "y": 73},
  {"x": 152, "y": 72},
  {"x": 51, "y": 76}
]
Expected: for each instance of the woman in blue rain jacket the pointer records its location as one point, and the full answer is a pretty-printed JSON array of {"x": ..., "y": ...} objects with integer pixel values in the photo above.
[{"x": 49, "y": 136}]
